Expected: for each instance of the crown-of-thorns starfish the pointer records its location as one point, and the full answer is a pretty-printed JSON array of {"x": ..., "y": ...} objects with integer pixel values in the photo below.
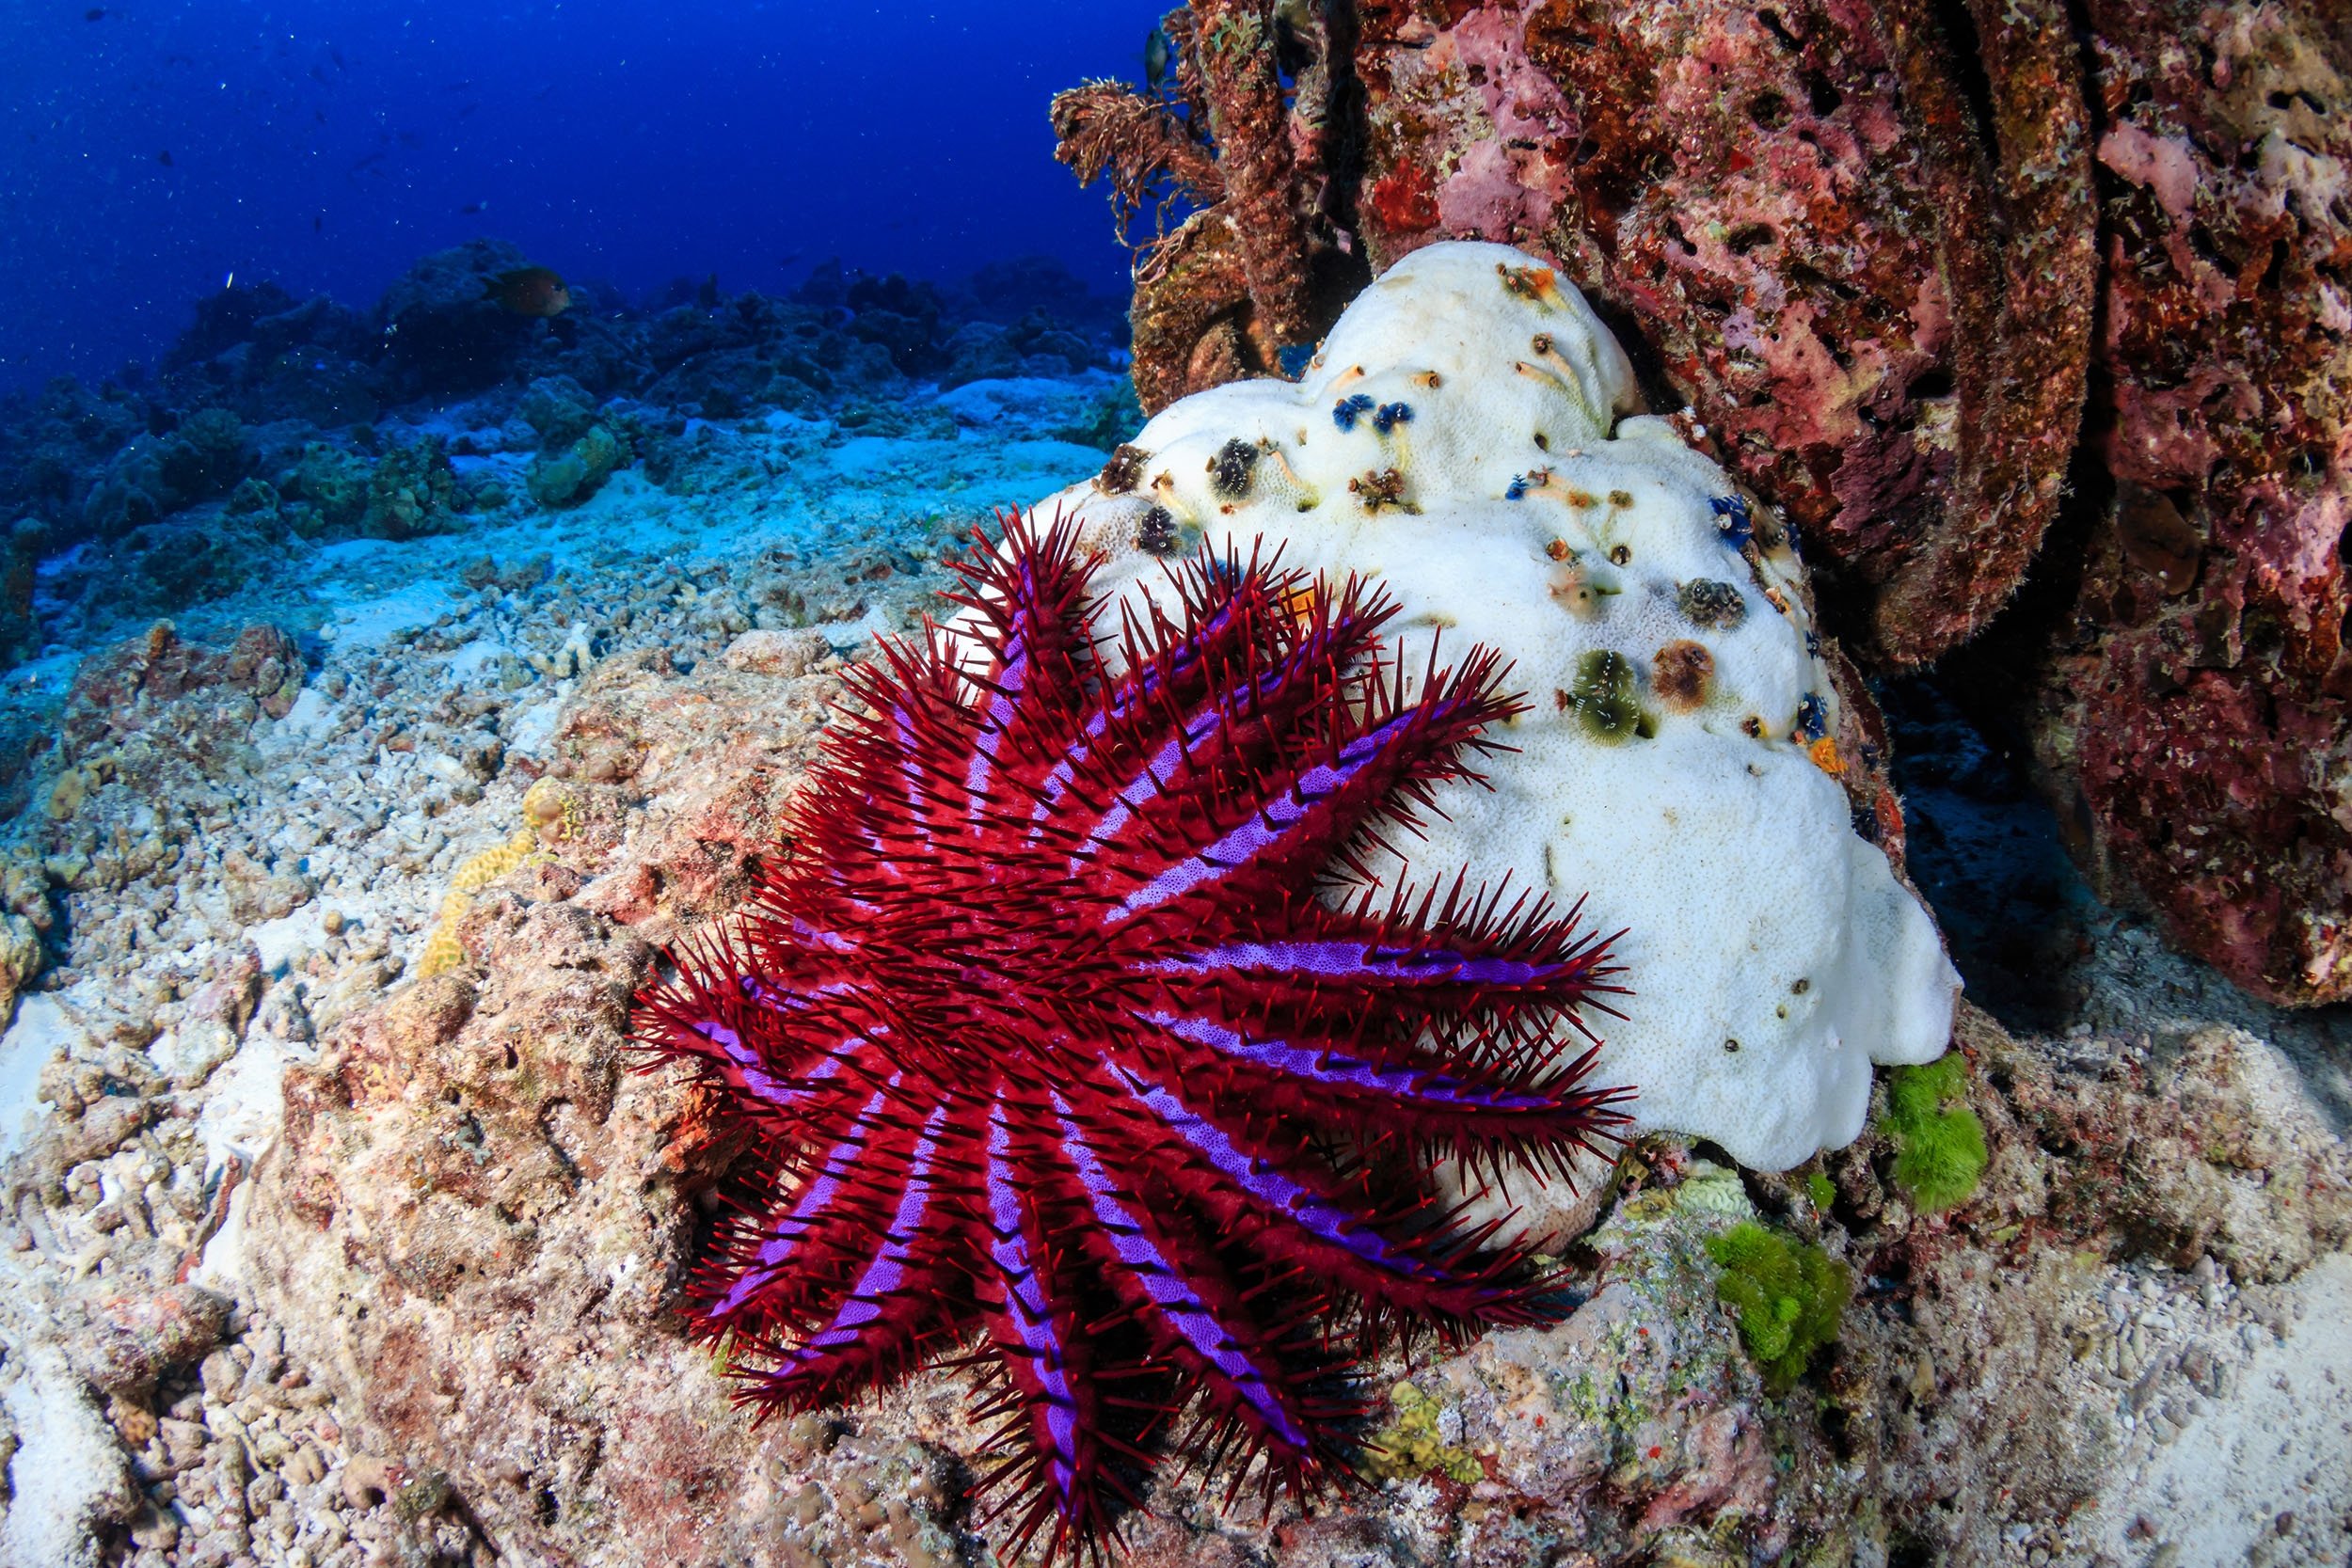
[{"x": 1075, "y": 1026}]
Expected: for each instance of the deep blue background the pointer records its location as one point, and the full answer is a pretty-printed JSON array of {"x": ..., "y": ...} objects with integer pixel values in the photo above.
[{"x": 327, "y": 144}]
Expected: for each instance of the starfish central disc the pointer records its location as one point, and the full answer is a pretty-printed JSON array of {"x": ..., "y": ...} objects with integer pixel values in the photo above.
[{"x": 1076, "y": 1024}]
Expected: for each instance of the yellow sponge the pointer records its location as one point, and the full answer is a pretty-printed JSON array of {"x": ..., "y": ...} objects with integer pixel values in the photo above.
[{"x": 549, "y": 811}]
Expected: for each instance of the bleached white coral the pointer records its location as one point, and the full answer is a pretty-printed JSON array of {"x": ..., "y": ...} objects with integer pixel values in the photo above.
[{"x": 1471, "y": 436}]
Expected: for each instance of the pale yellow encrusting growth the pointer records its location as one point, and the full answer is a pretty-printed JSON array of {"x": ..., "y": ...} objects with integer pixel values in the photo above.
[{"x": 550, "y": 812}]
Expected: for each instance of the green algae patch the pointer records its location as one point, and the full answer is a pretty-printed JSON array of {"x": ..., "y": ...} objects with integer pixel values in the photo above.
[
  {"x": 1412, "y": 1445},
  {"x": 1939, "y": 1142},
  {"x": 1819, "y": 1188},
  {"x": 1789, "y": 1297}
]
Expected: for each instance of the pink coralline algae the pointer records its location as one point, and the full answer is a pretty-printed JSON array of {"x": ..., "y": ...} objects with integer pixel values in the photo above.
[
  {"x": 1055, "y": 1034},
  {"x": 2197, "y": 696},
  {"x": 1941, "y": 284}
]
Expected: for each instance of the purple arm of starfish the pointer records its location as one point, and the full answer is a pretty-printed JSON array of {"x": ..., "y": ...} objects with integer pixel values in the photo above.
[
  {"x": 1128, "y": 697},
  {"x": 1024, "y": 1304},
  {"x": 1356, "y": 961},
  {"x": 761, "y": 1083},
  {"x": 905, "y": 745},
  {"x": 1007, "y": 688},
  {"x": 1317, "y": 1065},
  {"x": 1322, "y": 1219},
  {"x": 888, "y": 1270},
  {"x": 742, "y": 1066},
  {"x": 1177, "y": 1303},
  {"x": 784, "y": 1240},
  {"x": 830, "y": 940},
  {"x": 1273, "y": 826},
  {"x": 1292, "y": 678}
]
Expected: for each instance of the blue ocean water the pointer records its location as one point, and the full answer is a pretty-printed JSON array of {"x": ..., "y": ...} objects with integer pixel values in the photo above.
[{"x": 150, "y": 150}]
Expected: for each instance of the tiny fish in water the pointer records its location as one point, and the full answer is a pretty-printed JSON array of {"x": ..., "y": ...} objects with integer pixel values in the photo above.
[
  {"x": 1155, "y": 53},
  {"x": 471, "y": 208},
  {"x": 528, "y": 291},
  {"x": 164, "y": 157},
  {"x": 96, "y": 13}
]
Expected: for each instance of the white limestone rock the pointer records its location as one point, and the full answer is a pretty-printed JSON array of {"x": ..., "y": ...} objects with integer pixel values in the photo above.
[{"x": 1471, "y": 436}]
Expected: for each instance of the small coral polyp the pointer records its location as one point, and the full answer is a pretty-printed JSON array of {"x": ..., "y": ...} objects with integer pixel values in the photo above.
[
  {"x": 1059, "y": 1031},
  {"x": 1471, "y": 437}
]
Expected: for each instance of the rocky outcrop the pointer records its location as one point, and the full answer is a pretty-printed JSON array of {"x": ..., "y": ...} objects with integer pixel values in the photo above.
[
  {"x": 1920, "y": 273},
  {"x": 2195, "y": 696},
  {"x": 481, "y": 1218},
  {"x": 481, "y": 1225}
]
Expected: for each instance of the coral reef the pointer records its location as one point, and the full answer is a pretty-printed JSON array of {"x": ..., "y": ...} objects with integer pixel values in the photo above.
[
  {"x": 1870, "y": 249},
  {"x": 1885, "y": 332},
  {"x": 1790, "y": 211},
  {"x": 578, "y": 471},
  {"x": 411, "y": 490},
  {"x": 26, "y": 916},
  {"x": 2194, "y": 697},
  {"x": 431, "y": 1315},
  {"x": 259, "y": 351},
  {"x": 274, "y": 423},
  {"x": 558, "y": 409},
  {"x": 520, "y": 1052},
  {"x": 445, "y": 330},
  {"x": 457, "y": 1280},
  {"x": 1191, "y": 326},
  {"x": 1258, "y": 265},
  {"x": 1234, "y": 54},
  {"x": 155, "y": 476}
]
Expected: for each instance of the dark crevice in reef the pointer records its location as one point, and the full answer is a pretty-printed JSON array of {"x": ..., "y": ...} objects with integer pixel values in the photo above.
[
  {"x": 1987, "y": 851},
  {"x": 1965, "y": 50}
]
